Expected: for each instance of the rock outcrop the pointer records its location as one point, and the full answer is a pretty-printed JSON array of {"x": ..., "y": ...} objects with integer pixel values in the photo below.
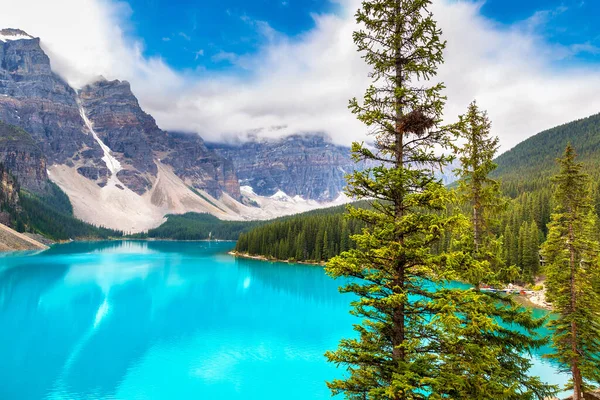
[
  {"x": 201, "y": 167},
  {"x": 9, "y": 195},
  {"x": 309, "y": 166},
  {"x": 43, "y": 104},
  {"x": 20, "y": 154},
  {"x": 11, "y": 240},
  {"x": 137, "y": 142}
]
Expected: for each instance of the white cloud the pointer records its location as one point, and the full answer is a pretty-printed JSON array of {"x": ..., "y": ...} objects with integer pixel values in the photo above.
[{"x": 303, "y": 84}]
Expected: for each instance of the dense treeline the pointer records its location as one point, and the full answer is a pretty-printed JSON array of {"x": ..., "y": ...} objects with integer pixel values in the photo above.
[
  {"x": 195, "y": 226},
  {"x": 314, "y": 236},
  {"x": 51, "y": 215},
  {"x": 525, "y": 173}
]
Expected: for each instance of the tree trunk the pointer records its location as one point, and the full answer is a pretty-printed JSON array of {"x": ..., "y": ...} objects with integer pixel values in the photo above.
[
  {"x": 577, "y": 381},
  {"x": 399, "y": 328}
]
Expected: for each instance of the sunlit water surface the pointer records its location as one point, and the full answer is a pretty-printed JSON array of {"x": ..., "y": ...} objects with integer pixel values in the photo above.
[{"x": 168, "y": 320}]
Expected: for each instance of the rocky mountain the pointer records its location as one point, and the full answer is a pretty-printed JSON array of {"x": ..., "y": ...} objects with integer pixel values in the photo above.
[
  {"x": 39, "y": 101},
  {"x": 20, "y": 154},
  {"x": 309, "y": 166},
  {"x": 9, "y": 196},
  {"x": 121, "y": 171},
  {"x": 137, "y": 143}
]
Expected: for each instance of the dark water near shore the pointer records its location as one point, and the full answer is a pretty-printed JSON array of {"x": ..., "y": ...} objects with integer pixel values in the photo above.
[{"x": 168, "y": 320}]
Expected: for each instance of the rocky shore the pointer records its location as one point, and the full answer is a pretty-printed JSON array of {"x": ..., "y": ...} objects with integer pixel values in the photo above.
[{"x": 11, "y": 240}]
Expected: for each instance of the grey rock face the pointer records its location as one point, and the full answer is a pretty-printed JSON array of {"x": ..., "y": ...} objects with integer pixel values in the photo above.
[
  {"x": 128, "y": 131},
  {"x": 137, "y": 142},
  {"x": 39, "y": 101},
  {"x": 305, "y": 165},
  {"x": 23, "y": 158},
  {"x": 200, "y": 166}
]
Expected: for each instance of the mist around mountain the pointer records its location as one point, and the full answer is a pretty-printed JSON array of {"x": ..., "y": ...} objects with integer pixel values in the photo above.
[{"x": 119, "y": 170}]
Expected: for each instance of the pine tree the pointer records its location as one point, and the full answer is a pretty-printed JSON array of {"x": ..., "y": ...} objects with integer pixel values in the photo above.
[
  {"x": 409, "y": 337},
  {"x": 531, "y": 257},
  {"x": 572, "y": 271},
  {"x": 325, "y": 251},
  {"x": 491, "y": 332}
]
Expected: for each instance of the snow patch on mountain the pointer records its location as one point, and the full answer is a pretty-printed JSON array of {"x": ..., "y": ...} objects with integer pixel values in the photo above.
[
  {"x": 281, "y": 196},
  {"x": 9, "y": 34},
  {"x": 111, "y": 162},
  {"x": 278, "y": 204},
  {"x": 247, "y": 189}
]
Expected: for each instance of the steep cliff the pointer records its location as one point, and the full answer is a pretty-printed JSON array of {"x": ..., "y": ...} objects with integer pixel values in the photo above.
[
  {"x": 20, "y": 154},
  {"x": 9, "y": 196},
  {"x": 137, "y": 142},
  {"x": 43, "y": 104},
  {"x": 309, "y": 166},
  {"x": 121, "y": 171}
]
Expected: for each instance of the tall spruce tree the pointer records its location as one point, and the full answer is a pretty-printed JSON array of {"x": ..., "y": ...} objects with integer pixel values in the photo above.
[
  {"x": 572, "y": 269},
  {"x": 492, "y": 334},
  {"x": 403, "y": 338}
]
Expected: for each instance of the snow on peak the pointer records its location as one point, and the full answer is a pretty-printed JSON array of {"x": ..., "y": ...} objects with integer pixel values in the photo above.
[
  {"x": 281, "y": 196},
  {"x": 13, "y": 34},
  {"x": 247, "y": 189}
]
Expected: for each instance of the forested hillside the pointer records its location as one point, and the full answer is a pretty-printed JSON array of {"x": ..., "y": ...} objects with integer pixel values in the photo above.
[
  {"x": 195, "y": 226},
  {"x": 530, "y": 164},
  {"x": 313, "y": 236},
  {"x": 49, "y": 214},
  {"x": 524, "y": 172}
]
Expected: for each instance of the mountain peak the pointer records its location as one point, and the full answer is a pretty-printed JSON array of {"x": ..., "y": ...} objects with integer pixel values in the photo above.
[{"x": 13, "y": 34}]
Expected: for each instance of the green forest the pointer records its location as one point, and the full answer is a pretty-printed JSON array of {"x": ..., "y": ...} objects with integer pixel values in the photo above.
[
  {"x": 314, "y": 236},
  {"x": 525, "y": 176},
  {"x": 195, "y": 226},
  {"x": 51, "y": 215}
]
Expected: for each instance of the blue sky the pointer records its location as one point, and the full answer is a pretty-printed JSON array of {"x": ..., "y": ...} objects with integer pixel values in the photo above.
[
  {"x": 563, "y": 22},
  {"x": 209, "y": 34},
  {"x": 227, "y": 68}
]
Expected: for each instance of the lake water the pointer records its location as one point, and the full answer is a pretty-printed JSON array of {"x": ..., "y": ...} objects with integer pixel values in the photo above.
[{"x": 168, "y": 320}]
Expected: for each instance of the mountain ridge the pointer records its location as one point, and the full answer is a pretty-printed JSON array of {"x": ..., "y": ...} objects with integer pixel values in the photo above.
[{"x": 121, "y": 171}]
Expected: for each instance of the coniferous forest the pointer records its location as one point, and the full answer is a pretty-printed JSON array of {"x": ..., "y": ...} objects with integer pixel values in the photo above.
[
  {"x": 525, "y": 176},
  {"x": 420, "y": 338},
  {"x": 315, "y": 236}
]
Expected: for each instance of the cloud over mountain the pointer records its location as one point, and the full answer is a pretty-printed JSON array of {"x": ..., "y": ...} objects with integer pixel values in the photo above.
[{"x": 303, "y": 83}]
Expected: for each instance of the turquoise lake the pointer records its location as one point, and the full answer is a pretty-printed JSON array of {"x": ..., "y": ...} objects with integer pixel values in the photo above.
[{"x": 168, "y": 320}]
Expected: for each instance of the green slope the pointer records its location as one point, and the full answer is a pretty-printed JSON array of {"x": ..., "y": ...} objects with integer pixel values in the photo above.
[
  {"x": 529, "y": 164},
  {"x": 314, "y": 236},
  {"x": 51, "y": 215},
  {"x": 195, "y": 226}
]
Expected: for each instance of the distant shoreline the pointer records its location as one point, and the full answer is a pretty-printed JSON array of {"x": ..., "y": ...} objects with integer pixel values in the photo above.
[
  {"x": 534, "y": 301},
  {"x": 263, "y": 258},
  {"x": 117, "y": 239}
]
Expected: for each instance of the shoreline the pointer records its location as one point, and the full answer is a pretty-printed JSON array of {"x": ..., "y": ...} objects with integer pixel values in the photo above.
[
  {"x": 532, "y": 299},
  {"x": 263, "y": 258},
  {"x": 52, "y": 243}
]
